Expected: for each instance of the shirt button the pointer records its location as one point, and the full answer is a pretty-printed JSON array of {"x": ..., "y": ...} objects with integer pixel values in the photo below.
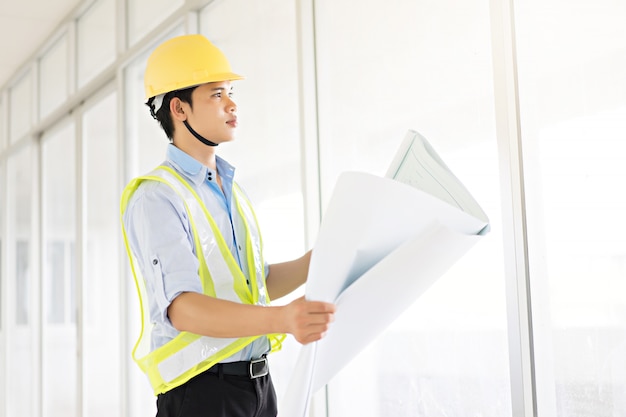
[
  {"x": 154, "y": 262},
  {"x": 239, "y": 246}
]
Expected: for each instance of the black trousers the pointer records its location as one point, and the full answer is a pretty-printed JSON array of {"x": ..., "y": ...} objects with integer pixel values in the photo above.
[{"x": 220, "y": 395}]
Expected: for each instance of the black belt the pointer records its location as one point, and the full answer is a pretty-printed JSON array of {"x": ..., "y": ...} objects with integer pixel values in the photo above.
[{"x": 252, "y": 369}]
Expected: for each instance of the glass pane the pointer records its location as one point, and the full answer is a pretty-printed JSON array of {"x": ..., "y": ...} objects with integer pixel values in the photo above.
[
  {"x": 53, "y": 77},
  {"x": 58, "y": 302},
  {"x": 274, "y": 180},
  {"x": 266, "y": 152},
  {"x": 96, "y": 40},
  {"x": 21, "y": 348},
  {"x": 59, "y": 307},
  {"x": 145, "y": 15},
  {"x": 573, "y": 112},
  {"x": 144, "y": 139},
  {"x": 424, "y": 66},
  {"x": 22, "y": 284},
  {"x": 101, "y": 302},
  {"x": 20, "y": 107}
]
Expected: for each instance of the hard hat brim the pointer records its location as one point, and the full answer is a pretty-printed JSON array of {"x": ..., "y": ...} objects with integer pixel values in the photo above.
[{"x": 228, "y": 76}]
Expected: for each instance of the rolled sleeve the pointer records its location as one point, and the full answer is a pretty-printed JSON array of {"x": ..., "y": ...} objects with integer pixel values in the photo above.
[{"x": 160, "y": 237}]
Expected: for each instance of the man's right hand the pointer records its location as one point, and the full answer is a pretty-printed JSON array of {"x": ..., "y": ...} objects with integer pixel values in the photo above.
[{"x": 308, "y": 321}]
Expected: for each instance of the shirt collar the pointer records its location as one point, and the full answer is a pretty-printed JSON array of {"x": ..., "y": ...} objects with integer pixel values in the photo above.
[{"x": 194, "y": 170}]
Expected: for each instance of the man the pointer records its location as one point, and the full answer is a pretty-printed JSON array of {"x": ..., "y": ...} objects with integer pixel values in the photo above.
[{"x": 196, "y": 252}]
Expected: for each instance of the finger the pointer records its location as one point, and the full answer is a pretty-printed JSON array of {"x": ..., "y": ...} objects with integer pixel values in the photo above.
[
  {"x": 316, "y": 329},
  {"x": 321, "y": 307},
  {"x": 320, "y": 318},
  {"x": 313, "y": 337}
]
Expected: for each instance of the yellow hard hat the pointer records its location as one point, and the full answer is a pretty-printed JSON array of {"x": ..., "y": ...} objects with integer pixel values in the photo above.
[{"x": 185, "y": 61}]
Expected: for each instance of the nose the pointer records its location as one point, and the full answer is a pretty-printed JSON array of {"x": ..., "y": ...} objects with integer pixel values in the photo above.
[{"x": 232, "y": 106}]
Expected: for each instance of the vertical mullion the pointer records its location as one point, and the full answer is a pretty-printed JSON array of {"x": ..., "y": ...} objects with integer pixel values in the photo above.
[
  {"x": 38, "y": 260},
  {"x": 38, "y": 257},
  {"x": 508, "y": 129},
  {"x": 4, "y": 185},
  {"x": 309, "y": 121},
  {"x": 121, "y": 27},
  {"x": 309, "y": 142},
  {"x": 72, "y": 58},
  {"x": 10, "y": 290},
  {"x": 37, "y": 236},
  {"x": 121, "y": 23},
  {"x": 80, "y": 254},
  {"x": 192, "y": 24},
  {"x": 123, "y": 157},
  {"x": 4, "y": 215}
]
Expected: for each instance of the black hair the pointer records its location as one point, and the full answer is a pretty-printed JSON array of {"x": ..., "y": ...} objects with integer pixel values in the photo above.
[{"x": 163, "y": 115}]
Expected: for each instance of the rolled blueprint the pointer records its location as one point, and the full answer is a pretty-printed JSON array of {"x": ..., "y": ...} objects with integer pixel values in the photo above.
[{"x": 382, "y": 243}]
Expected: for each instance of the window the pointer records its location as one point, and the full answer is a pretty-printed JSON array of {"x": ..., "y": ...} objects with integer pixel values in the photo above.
[
  {"x": 427, "y": 67},
  {"x": 266, "y": 151},
  {"x": 145, "y": 15},
  {"x": 96, "y": 40},
  {"x": 59, "y": 272},
  {"x": 262, "y": 46},
  {"x": 573, "y": 113},
  {"x": 145, "y": 141},
  {"x": 21, "y": 319},
  {"x": 20, "y": 107},
  {"x": 53, "y": 77},
  {"x": 101, "y": 283},
  {"x": 22, "y": 282}
]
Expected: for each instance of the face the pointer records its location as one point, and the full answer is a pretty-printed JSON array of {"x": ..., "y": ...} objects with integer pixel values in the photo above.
[{"x": 214, "y": 113}]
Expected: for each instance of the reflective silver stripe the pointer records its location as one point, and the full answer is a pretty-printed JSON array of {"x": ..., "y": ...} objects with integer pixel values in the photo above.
[{"x": 194, "y": 353}]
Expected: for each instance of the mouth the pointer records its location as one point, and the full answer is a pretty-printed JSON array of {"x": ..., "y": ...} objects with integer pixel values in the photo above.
[{"x": 232, "y": 122}]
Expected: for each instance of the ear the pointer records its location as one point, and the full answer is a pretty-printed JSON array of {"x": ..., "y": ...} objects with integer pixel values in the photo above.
[{"x": 177, "y": 110}]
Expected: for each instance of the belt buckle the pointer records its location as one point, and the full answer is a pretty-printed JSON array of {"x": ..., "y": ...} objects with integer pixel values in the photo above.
[{"x": 258, "y": 368}]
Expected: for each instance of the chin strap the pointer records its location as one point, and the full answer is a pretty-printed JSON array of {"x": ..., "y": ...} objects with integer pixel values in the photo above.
[{"x": 199, "y": 136}]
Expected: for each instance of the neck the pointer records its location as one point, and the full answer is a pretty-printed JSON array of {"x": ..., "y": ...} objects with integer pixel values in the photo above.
[{"x": 199, "y": 151}]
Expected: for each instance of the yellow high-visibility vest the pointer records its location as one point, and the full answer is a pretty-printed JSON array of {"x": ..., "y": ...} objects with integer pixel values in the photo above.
[{"x": 188, "y": 354}]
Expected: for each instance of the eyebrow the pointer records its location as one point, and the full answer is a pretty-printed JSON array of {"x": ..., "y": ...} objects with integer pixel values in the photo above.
[{"x": 221, "y": 89}]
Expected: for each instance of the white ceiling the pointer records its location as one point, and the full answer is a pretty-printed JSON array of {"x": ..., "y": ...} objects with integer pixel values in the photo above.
[{"x": 24, "y": 27}]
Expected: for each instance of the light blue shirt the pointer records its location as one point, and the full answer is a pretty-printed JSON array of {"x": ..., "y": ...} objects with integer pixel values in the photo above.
[{"x": 159, "y": 235}]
